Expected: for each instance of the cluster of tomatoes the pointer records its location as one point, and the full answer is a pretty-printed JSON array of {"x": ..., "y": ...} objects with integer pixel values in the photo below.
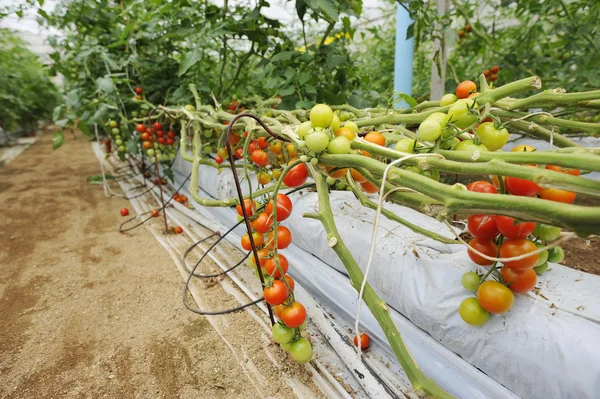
[
  {"x": 158, "y": 144},
  {"x": 182, "y": 199},
  {"x": 138, "y": 93},
  {"x": 491, "y": 75},
  {"x": 279, "y": 286},
  {"x": 117, "y": 136},
  {"x": 464, "y": 31},
  {"x": 498, "y": 236}
]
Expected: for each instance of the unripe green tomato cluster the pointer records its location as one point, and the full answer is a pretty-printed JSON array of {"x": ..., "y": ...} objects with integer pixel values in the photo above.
[{"x": 316, "y": 134}]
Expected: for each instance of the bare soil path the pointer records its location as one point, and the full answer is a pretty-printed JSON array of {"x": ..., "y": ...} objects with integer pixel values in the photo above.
[{"x": 88, "y": 312}]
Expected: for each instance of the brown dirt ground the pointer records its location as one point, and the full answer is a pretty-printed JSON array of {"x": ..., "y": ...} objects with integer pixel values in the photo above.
[{"x": 82, "y": 312}]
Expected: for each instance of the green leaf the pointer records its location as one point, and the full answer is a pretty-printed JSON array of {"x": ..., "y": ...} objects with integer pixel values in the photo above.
[
  {"x": 168, "y": 173},
  {"x": 283, "y": 56},
  {"x": 188, "y": 60},
  {"x": 62, "y": 122},
  {"x": 58, "y": 139},
  {"x": 303, "y": 77},
  {"x": 410, "y": 31},
  {"x": 329, "y": 9},
  {"x": 57, "y": 112},
  {"x": 335, "y": 60},
  {"x": 409, "y": 100},
  {"x": 85, "y": 129},
  {"x": 289, "y": 73},
  {"x": 132, "y": 146},
  {"x": 105, "y": 85},
  {"x": 287, "y": 91},
  {"x": 304, "y": 104}
]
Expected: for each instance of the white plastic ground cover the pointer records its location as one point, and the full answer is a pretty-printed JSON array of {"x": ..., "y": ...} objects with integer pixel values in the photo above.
[{"x": 540, "y": 349}]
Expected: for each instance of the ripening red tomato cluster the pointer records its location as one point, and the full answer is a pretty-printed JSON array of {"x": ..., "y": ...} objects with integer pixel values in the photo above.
[
  {"x": 499, "y": 236},
  {"x": 155, "y": 134},
  {"x": 269, "y": 238},
  {"x": 491, "y": 75}
]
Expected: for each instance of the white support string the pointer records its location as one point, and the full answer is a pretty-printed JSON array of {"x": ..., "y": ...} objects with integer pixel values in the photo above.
[{"x": 105, "y": 185}]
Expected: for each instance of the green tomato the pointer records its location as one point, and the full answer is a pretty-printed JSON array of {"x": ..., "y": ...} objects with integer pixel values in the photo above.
[
  {"x": 441, "y": 117},
  {"x": 541, "y": 269},
  {"x": 155, "y": 145},
  {"x": 335, "y": 123},
  {"x": 556, "y": 255},
  {"x": 301, "y": 351},
  {"x": 190, "y": 108},
  {"x": 172, "y": 156},
  {"x": 314, "y": 161},
  {"x": 344, "y": 116},
  {"x": 330, "y": 180},
  {"x": 450, "y": 144},
  {"x": 163, "y": 147},
  {"x": 432, "y": 174},
  {"x": 317, "y": 141},
  {"x": 352, "y": 126},
  {"x": 339, "y": 145},
  {"x": 121, "y": 148},
  {"x": 470, "y": 280},
  {"x": 472, "y": 313},
  {"x": 150, "y": 152},
  {"x": 158, "y": 152},
  {"x": 405, "y": 145},
  {"x": 492, "y": 138},
  {"x": 115, "y": 131},
  {"x": 145, "y": 107},
  {"x": 286, "y": 347},
  {"x": 429, "y": 130},
  {"x": 207, "y": 150},
  {"x": 469, "y": 145},
  {"x": 113, "y": 124},
  {"x": 118, "y": 137},
  {"x": 304, "y": 129},
  {"x": 282, "y": 334},
  {"x": 207, "y": 133},
  {"x": 545, "y": 232},
  {"x": 460, "y": 114},
  {"x": 448, "y": 99},
  {"x": 134, "y": 114},
  {"x": 303, "y": 326},
  {"x": 119, "y": 142},
  {"x": 321, "y": 115}
]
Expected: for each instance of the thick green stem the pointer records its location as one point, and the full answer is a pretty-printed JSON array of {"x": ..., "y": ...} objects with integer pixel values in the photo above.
[
  {"x": 535, "y": 130},
  {"x": 555, "y": 99},
  {"x": 544, "y": 178},
  {"x": 378, "y": 307},
  {"x": 548, "y": 119},
  {"x": 458, "y": 200}
]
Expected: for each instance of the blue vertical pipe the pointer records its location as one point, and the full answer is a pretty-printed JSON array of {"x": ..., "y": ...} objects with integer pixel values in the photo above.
[{"x": 403, "y": 65}]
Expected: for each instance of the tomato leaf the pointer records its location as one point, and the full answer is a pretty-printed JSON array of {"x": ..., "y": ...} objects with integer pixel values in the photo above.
[
  {"x": 85, "y": 129},
  {"x": 188, "y": 60},
  {"x": 408, "y": 99},
  {"x": 58, "y": 139},
  {"x": 283, "y": 56},
  {"x": 132, "y": 146},
  {"x": 328, "y": 7},
  {"x": 287, "y": 91}
]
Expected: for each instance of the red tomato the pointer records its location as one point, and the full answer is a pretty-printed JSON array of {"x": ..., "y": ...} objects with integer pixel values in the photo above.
[
  {"x": 171, "y": 134},
  {"x": 375, "y": 138},
  {"x": 263, "y": 256},
  {"x": 482, "y": 187},
  {"x": 251, "y": 147},
  {"x": 155, "y": 213},
  {"x": 521, "y": 187},
  {"x": 510, "y": 229},
  {"x": 145, "y": 136},
  {"x": 160, "y": 133},
  {"x": 495, "y": 297},
  {"x": 271, "y": 266},
  {"x": 138, "y": 90},
  {"x": 512, "y": 248},
  {"x": 357, "y": 176},
  {"x": 276, "y": 294},
  {"x": 259, "y": 240},
  {"x": 284, "y": 207},
  {"x": 239, "y": 153},
  {"x": 262, "y": 142},
  {"x": 494, "y": 69},
  {"x": 157, "y": 125},
  {"x": 520, "y": 282},
  {"x": 260, "y": 158},
  {"x": 170, "y": 141},
  {"x": 290, "y": 282},
  {"x": 364, "y": 341},
  {"x": 140, "y": 128},
  {"x": 161, "y": 140},
  {"x": 294, "y": 315},
  {"x": 465, "y": 88},
  {"x": 218, "y": 160},
  {"x": 249, "y": 205},
  {"x": 124, "y": 212},
  {"x": 296, "y": 176},
  {"x": 177, "y": 230},
  {"x": 284, "y": 238},
  {"x": 486, "y": 247},
  {"x": 263, "y": 222},
  {"x": 369, "y": 187},
  {"x": 556, "y": 195},
  {"x": 482, "y": 226}
]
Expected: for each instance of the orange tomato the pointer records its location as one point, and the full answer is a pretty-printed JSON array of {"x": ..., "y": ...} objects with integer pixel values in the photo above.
[{"x": 375, "y": 138}]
